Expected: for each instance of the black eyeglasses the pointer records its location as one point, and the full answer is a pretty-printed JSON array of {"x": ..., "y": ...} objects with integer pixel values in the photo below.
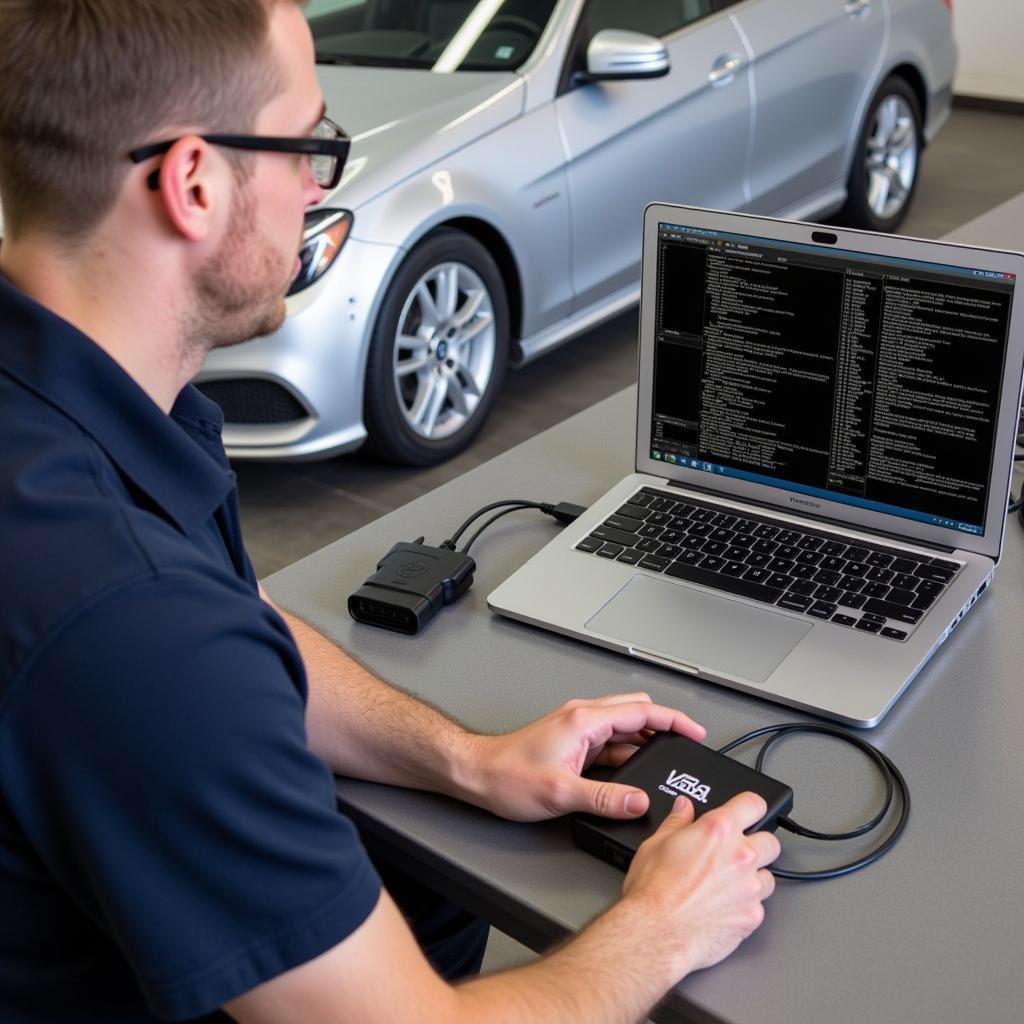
[{"x": 327, "y": 147}]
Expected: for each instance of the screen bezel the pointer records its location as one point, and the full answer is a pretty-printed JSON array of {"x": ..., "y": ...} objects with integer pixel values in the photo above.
[{"x": 871, "y": 244}]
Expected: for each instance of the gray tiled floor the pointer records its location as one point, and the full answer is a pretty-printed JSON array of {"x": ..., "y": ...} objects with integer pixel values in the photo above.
[{"x": 290, "y": 510}]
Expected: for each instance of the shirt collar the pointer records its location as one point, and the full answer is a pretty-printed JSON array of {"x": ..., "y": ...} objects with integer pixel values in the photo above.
[{"x": 177, "y": 460}]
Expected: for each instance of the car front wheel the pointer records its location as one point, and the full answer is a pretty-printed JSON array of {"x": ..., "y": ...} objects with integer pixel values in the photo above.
[
  {"x": 884, "y": 173},
  {"x": 438, "y": 353}
]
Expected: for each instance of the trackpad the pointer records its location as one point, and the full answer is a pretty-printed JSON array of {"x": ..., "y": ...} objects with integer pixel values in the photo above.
[{"x": 699, "y": 629}]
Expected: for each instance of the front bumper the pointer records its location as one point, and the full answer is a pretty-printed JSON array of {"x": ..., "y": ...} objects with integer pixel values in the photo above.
[{"x": 318, "y": 357}]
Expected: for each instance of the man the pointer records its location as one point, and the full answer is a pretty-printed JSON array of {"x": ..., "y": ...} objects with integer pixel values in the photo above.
[{"x": 169, "y": 845}]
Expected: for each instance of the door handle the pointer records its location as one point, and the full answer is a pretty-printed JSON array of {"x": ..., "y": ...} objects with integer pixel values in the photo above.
[
  {"x": 858, "y": 8},
  {"x": 723, "y": 71}
]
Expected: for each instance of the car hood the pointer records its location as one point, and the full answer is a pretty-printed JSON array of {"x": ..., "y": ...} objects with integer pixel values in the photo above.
[{"x": 402, "y": 120}]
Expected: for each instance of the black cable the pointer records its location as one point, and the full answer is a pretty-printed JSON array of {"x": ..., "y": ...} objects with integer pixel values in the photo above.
[
  {"x": 494, "y": 518},
  {"x": 893, "y": 778},
  {"x": 516, "y": 502}
]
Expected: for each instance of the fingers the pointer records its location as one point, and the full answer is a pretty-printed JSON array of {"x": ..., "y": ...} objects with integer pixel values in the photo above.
[
  {"x": 607, "y": 799},
  {"x": 742, "y": 811},
  {"x": 680, "y": 816},
  {"x": 767, "y": 880},
  {"x": 599, "y": 723},
  {"x": 615, "y": 755},
  {"x": 766, "y": 846},
  {"x": 664, "y": 719}
]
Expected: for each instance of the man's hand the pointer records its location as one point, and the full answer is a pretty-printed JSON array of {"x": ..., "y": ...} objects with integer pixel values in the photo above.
[
  {"x": 701, "y": 883},
  {"x": 535, "y": 772}
]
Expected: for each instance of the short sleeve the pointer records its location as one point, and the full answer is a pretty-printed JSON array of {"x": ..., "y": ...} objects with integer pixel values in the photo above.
[{"x": 155, "y": 755}]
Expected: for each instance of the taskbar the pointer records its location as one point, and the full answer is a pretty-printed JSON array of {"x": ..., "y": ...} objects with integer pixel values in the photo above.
[{"x": 686, "y": 462}]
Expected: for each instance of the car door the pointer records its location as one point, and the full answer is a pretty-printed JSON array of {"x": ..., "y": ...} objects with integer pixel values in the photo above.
[
  {"x": 813, "y": 61},
  {"x": 681, "y": 138}
]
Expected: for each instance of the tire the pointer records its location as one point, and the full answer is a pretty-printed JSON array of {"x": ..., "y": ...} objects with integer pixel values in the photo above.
[
  {"x": 437, "y": 359},
  {"x": 885, "y": 168}
]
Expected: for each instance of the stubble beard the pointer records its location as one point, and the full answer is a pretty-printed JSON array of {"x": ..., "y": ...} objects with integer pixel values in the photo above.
[{"x": 239, "y": 292}]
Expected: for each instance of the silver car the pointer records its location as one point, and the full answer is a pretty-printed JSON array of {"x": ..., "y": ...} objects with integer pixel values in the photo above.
[{"x": 503, "y": 152}]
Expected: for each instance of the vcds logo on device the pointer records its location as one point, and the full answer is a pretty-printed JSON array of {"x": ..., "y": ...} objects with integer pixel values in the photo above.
[{"x": 687, "y": 785}]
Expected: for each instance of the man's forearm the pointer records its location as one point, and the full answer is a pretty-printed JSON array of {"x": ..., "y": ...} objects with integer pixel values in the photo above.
[{"x": 366, "y": 728}]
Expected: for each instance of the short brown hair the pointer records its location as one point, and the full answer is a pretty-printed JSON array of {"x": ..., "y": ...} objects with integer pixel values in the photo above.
[{"x": 82, "y": 82}]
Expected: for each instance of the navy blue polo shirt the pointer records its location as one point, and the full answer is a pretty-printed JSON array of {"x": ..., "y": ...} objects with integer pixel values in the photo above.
[{"x": 167, "y": 840}]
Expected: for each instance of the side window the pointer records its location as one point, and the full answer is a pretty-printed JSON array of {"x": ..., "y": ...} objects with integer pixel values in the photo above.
[{"x": 652, "y": 17}]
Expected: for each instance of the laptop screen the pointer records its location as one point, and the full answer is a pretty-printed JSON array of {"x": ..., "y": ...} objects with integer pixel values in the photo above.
[{"x": 858, "y": 378}]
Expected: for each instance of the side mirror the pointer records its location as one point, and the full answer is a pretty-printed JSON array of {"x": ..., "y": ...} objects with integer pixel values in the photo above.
[{"x": 616, "y": 54}]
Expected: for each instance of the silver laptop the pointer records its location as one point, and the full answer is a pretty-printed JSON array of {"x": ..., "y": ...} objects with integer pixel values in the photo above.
[{"x": 824, "y": 446}]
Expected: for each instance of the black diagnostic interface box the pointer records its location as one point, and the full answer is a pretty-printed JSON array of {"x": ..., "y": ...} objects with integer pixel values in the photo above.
[{"x": 668, "y": 766}]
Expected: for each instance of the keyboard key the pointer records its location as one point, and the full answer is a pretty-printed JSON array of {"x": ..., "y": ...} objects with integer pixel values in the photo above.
[
  {"x": 757, "y": 560},
  {"x": 898, "y": 596},
  {"x": 893, "y": 611},
  {"x": 766, "y": 532},
  {"x": 829, "y": 594},
  {"x": 631, "y": 556},
  {"x": 610, "y": 551},
  {"x": 852, "y": 583},
  {"x": 868, "y": 627},
  {"x": 879, "y": 575},
  {"x": 756, "y": 575},
  {"x": 671, "y": 536},
  {"x": 659, "y": 518},
  {"x": 765, "y": 547},
  {"x": 743, "y": 540},
  {"x": 641, "y": 499},
  {"x": 650, "y": 530},
  {"x": 904, "y": 581},
  {"x": 735, "y": 554},
  {"x": 795, "y": 603},
  {"x": 832, "y": 548},
  {"x": 809, "y": 557},
  {"x": 843, "y": 620},
  {"x": 703, "y": 515},
  {"x": 714, "y": 547},
  {"x": 632, "y": 511},
  {"x": 802, "y": 571},
  {"x": 779, "y": 580},
  {"x": 934, "y": 573},
  {"x": 894, "y": 634},
  {"x": 879, "y": 559},
  {"x": 720, "y": 533},
  {"x": 856, "y": 554},
  {"x": 904, "y": 565},
  {"x": 697, "y": 529},
  {"x": 690, "y": 558},
  {"x": 787, "y": 537},
  {"x": 923, "y": 602},
  {"x": 821, "y": 610},
  {"x": 712, "y": 562},
  {"x": 724, "y": 520},
  {"x": 828, "y": 577},
  {"x": 734, "y": 569},
  {"x": 691, "y": 543},
  {"x": 875, "y": 590},
  {"x": 856, "y": 569},
  {"x": 872, "y": 617},
  {"x": 648, "y": 545},
  {"x": 589, "y": 544},
  {"x": 787, "y": 551},
  {"x": 953, "y": 567},
  {"x": 780, "y": 564},
  {"x": 744, "y": 526},
  {"x": 929, "y": 587},
  {"x": 805, "y": 588},
  {"x": 849, "y": 600},
  {"x": 809, "y": 543},
  {"x": 662, "y": 504},
  {"x": 679, "y": 522},
  {"x": 728, "y": 584},
  {"x": 654, "y": 562},
  {"x": 833, "y": 564},
  {"x": 610, "y": 536},
  {"x": 623, "y": 523},
  {"x": 669, "y": 551}
]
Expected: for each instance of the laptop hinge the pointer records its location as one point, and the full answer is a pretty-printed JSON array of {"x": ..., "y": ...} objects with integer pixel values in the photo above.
[{"x": 811, "y": 517}]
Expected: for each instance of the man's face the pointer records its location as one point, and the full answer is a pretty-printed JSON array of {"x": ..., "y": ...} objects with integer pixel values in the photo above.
[{"x": 240, "y": 289}]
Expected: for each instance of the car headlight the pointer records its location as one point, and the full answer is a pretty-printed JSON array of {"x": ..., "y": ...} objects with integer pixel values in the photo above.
[{"x": 322, "y": 241}]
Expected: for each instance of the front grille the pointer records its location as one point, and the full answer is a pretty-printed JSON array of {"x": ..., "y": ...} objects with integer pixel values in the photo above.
[{"x": 253, "y": 401}]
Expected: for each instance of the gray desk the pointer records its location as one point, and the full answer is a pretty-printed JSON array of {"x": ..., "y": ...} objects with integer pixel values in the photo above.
[{"x": 932, "y": 933}]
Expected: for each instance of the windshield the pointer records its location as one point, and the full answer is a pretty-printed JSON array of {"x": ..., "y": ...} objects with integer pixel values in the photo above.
[{"x": 438, "y": 35}]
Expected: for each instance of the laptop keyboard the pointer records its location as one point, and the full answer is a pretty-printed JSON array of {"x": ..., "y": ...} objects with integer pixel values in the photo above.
[{"x": 869, "y": 587}]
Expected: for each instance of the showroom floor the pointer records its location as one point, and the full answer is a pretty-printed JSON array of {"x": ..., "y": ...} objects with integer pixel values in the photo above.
[{"x": 291, "y": 510}]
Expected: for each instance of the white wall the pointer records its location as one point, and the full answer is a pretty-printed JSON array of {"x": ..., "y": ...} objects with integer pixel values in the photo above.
[{"x": 990, "y": 34}]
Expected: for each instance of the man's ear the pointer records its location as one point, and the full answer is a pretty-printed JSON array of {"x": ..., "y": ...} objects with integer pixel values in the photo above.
[{"x": 192, "y": 185}]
